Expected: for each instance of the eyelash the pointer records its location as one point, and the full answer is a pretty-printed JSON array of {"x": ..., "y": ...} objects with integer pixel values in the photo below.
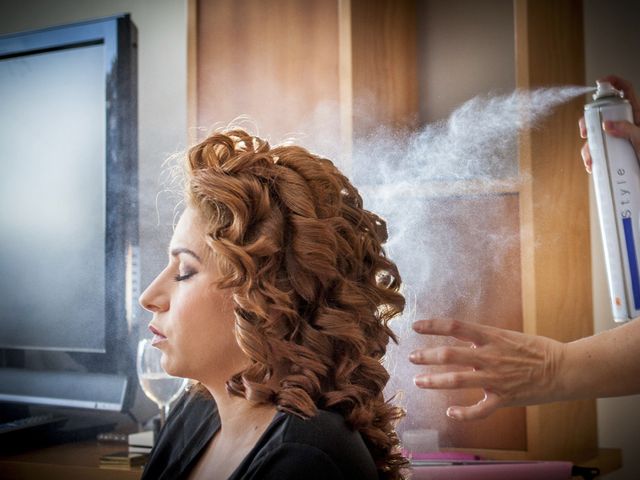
[{"x": 180, "y": 278}]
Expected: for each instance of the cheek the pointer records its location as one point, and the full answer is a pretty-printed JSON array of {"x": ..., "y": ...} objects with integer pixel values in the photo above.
[
  {"x": 192, "y": 319},
  {"x": 216, "y": 324},
  {"x": 204, "y": 333}
]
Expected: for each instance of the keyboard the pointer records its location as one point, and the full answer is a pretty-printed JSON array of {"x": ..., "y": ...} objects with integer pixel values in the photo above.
[{"x": 29, "y": 425}]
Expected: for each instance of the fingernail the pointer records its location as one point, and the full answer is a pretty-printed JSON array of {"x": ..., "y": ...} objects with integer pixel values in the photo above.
[
  {"x": 608, "y": 125},
  {"x": 413, "y": 356},
  {"x": 453, "y": 413}
]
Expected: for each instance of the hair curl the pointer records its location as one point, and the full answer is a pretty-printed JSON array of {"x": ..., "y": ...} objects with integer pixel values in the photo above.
[{"x": 313, "y": 289}]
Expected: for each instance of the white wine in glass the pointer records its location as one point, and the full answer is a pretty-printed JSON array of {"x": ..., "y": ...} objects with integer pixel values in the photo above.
[{"x": 159, "y": 386}]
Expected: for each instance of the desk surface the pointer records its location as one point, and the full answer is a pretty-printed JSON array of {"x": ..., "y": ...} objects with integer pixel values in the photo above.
[
  {"x": 67, "y": 461},
  {"x": 81, "y": 461}
]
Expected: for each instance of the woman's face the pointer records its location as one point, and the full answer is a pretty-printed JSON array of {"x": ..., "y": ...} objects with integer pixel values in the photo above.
[{"x": 193, "y": 320}]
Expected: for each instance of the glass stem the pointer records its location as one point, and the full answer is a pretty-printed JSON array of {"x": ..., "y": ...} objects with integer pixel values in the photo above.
[{"x": 164, "y": 413}]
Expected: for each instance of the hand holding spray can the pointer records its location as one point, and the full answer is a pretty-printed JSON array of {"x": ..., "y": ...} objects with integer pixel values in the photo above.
[{"x": 616, "y": 177}]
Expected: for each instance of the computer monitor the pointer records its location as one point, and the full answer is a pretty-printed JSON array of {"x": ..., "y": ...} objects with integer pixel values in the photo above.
[{"x": 69, "y": 215}]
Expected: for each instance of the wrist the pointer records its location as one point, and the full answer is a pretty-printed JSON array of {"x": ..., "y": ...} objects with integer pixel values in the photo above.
[
  {"x": 561, "y": 372},
  {"x": 570, "y": 374}
]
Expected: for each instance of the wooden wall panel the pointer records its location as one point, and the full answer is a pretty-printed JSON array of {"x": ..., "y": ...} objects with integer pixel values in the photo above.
[
  {"x": 340, "y": 68},
  {"x": 275, "y": 61},
  {"x": 555, "y": 214},
  {"x": 384, "y": 63}
]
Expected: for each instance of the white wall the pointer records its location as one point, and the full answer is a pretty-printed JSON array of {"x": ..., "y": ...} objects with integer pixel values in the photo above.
[
  {"x": 612, "y": 44},
  {"x": 162, "y": 101}
]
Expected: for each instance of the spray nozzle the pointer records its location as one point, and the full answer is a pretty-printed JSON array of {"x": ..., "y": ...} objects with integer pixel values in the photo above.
[{"x": 605, "y": 89}]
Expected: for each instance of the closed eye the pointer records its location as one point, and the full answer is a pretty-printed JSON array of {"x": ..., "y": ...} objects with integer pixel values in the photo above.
[{"x": 187, "y": 275}]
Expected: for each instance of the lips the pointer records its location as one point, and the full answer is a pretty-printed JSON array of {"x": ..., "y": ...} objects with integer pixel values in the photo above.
[{"x": 157, "y": 335}]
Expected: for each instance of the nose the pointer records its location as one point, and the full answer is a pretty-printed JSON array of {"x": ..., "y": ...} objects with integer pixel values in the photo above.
[{"x": 154, "y": 298}]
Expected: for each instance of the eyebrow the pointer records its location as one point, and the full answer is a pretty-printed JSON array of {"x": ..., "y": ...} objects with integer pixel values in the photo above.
[{"x": 177, "y": 251}]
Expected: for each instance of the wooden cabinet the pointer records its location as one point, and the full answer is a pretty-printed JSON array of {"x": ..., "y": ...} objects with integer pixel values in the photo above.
[{"x": 339, "y": 69}]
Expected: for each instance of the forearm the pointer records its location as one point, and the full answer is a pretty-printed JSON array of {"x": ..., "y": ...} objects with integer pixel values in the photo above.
[{"x": 603, "y": 365}]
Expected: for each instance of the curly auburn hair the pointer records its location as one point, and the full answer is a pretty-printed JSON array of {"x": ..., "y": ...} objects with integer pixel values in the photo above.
[{"x": 312, "y": 288}]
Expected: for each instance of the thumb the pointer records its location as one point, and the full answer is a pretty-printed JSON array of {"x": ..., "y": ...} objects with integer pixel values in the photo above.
[{"x": 485, "y": 407}]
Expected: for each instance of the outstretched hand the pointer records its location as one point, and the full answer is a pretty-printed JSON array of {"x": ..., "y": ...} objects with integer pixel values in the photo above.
[
  {"x": 512, "y": 368},
  {"x": 622, "y": 129}
]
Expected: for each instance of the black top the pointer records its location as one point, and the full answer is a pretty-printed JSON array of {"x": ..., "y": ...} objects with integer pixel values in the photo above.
[{"x": 322, "y": 447}]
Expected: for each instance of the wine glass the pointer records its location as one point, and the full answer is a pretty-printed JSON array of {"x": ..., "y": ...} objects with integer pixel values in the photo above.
[{"x": 157, "y": 384}]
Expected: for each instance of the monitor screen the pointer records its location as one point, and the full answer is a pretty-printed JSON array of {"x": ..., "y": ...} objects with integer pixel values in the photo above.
[{"x": 52, "y": 200}]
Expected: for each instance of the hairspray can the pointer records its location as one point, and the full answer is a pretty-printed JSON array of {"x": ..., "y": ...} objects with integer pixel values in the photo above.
[{"x": 616, "y": 178}]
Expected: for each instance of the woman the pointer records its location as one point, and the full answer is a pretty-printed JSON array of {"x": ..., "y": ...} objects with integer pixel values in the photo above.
[{"x": 276, "y": 299}]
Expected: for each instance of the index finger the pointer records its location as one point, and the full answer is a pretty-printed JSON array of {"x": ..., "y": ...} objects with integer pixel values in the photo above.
[
  {"x": 465, "y": 331},
  {"x": 629, "y": 93}
]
